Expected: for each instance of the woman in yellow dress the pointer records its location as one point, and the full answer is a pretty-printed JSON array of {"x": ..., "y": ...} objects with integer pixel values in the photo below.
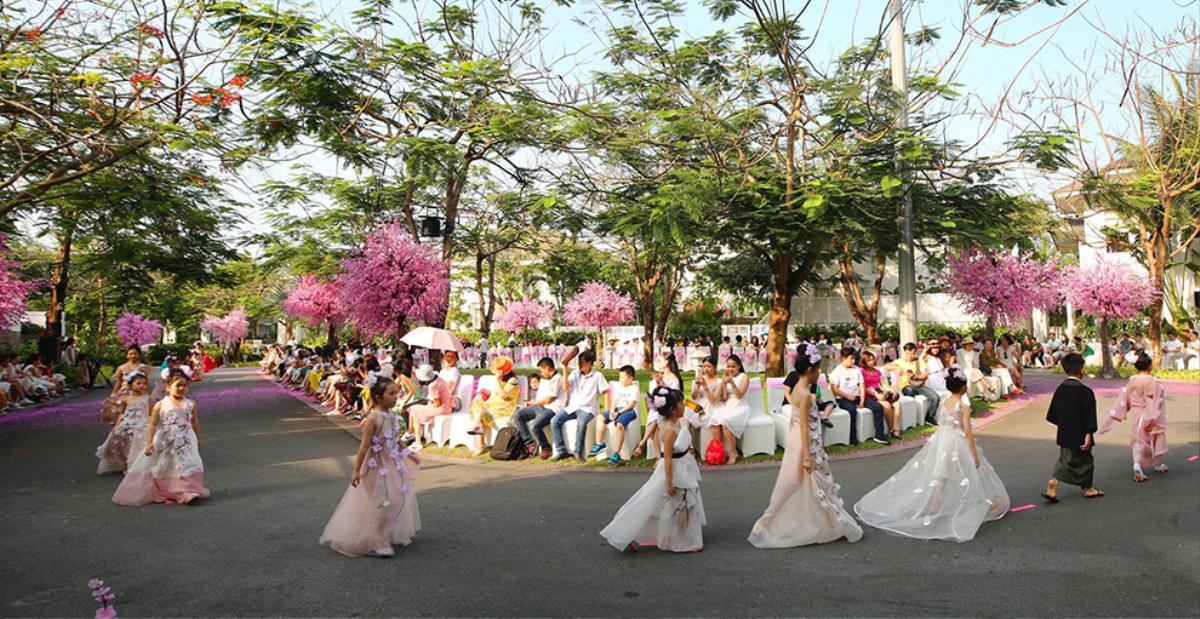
[{"x": 488, "y": 407}]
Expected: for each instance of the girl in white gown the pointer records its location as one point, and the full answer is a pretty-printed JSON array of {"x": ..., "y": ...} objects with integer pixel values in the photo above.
[
  {"x": 805, "y": 507},
  {"x": 666, "y": 511},
  {"x": 945, "y": 491},
  {"x": 730, "y": 414}
]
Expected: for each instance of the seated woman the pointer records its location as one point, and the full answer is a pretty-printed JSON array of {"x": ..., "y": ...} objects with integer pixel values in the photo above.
[
  {"x": 728, "y": 419},
  {"x": 487, "y": 407},
  {"x": 879, "y": 389},
  {"x": 989, "y": 357}
]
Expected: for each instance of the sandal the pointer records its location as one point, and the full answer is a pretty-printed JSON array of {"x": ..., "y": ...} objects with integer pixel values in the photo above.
[
  {"x": 1050, "y": 498},
  {"x": 1096, "y": 495}
]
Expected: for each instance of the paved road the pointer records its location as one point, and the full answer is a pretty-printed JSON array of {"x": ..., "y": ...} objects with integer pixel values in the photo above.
[{"x": 504, "y": 541}]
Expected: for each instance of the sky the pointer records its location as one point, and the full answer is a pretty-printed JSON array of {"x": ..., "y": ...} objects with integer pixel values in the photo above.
[{"x": 1044, "y": 44}]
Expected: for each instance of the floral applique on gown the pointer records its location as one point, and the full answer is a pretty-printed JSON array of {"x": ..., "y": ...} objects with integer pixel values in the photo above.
[
  {"x": 805, "y": 507},
  {"x": 173, "y": 471},
  {"x": 382, "y": 510},
  {"x": 651, "y": 517},
  {"x": 939, "y": 493},
  {"x": 127, "y": 439}
]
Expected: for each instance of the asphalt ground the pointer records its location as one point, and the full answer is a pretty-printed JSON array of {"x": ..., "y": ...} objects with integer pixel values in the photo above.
[{"x": 502, "y": 540}]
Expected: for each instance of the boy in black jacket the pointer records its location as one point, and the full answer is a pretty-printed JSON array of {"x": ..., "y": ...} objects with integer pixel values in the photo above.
[{"x": 1073, "y": 410}]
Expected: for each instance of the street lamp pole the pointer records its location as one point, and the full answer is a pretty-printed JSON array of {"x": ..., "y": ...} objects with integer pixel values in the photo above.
[{"x": 906, "y": 254}]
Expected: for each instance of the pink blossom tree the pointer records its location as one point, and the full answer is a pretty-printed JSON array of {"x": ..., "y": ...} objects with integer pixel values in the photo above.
[
  {"x": 13, "y": 290},
  {"x": 228, "y": 329},
  {"x": 524, "y": 316},
  {"x": 392, "y": 282},
  {"x": 1109, "y": 288},
  {"x": 598, "y": 307},
  {"x": 1004, "y": 288},
  {"x": 137, "y": 330},
  {"x": 316, "y": 302}
]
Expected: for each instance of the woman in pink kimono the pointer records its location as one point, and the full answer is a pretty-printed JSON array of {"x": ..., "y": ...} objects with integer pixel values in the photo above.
[{"x": 1143, "y": 399}]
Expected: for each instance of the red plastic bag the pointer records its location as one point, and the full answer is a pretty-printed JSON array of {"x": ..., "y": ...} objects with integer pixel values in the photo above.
[{"x": 715, "y": 454}]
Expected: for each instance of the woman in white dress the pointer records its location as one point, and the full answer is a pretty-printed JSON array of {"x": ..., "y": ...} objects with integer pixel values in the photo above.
[
  {"x": 805, "y": 507},
  {"x": 666, "y": 374},
  {"x": 945, "y": 491},
  {"x": 667, "y": 510},
  {"x": 730, "y": 414}
]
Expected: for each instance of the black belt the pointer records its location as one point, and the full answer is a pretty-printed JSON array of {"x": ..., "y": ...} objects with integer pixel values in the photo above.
[{"x": 679, "y": 455}]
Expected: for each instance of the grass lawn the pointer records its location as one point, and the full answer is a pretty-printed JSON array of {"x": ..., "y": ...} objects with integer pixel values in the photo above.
[{"x": 978, "y": 407}]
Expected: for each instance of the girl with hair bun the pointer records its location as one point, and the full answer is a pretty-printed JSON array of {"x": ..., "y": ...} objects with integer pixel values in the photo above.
[
  {"x": 667, "y": 510},
  {"x": 1144, "y": 401},
  {"x": 945, "y": 491},
  {"x": 805, "y": 507}
]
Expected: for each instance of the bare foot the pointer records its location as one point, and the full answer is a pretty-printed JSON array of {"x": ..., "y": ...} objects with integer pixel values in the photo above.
[
  {"x": 1051, "y": 494},
  {"x": 700, "y": 549},
  {"x": 1139, "y": 477},
  {"x": 732, "y": 458}
]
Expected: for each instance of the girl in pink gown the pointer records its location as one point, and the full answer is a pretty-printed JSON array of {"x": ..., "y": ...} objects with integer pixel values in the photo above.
[
  {"x": 1144, "y": 401},
  {"x": 805, "y": 507},
  {"x": 379, "y": 509},
  {"x": 128, "y": 437},
  {"x": 170, "y": 468}
]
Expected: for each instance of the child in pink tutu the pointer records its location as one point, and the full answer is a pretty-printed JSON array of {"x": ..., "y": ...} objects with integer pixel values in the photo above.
[
  {"x": 379, "y": 509},
  {"x": 1144, "y": 401},
  {"x": 170, "y": 468}
]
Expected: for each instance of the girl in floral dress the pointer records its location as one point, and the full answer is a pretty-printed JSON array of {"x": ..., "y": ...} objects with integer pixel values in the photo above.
[
  {"x": 170, "y": 469},
  {"x": 128, "y": 436},
  {"x": 805, "y": 507},
  {"x": 379, "y": 509}
]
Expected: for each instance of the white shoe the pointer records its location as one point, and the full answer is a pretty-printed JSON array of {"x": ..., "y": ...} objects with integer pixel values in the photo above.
[
  {"x": 383, "y": 552},
  {"x": 26, "y": 402}
]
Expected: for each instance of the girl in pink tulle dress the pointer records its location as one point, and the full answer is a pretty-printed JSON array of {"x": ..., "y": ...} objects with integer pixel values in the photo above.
[
  {"x": 1144, "y": 401},
  {"x": 379, "y": 509},
  {"x": 170, "y": 468}
]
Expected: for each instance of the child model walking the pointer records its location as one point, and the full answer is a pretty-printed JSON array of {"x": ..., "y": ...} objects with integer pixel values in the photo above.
[
  {"x": 128, "y": 436},
  {"x": 805, "y": 507},
  {"x": 1144, "y": 401},
  {"x": 945, "y": 491},
  {"x": 1073, "y": 410},
  {"x": 379, "y": 508},
  {"x": 666, "y": 511},
  {"x": 169, "y": 469}
]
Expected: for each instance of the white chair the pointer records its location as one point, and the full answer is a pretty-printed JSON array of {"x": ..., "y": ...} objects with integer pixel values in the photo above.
[
  {"x": 910, "y": 412},
  {"x": 759, "y": 435},
  {"x": 570, "y": 429},
  {"x": 782, "y": 421},
  {"x": 776, "y": 395},
  {"x": 866, "y": 424},
  {"x": 839, "y": 434},
  {"x": 633, "y": 434},
  {"x": 921, "y": 402},
  {"x": 453, "y": 427}
]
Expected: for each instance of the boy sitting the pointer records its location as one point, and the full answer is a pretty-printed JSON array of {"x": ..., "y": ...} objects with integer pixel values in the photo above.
[{"x": 624, "y": 412}]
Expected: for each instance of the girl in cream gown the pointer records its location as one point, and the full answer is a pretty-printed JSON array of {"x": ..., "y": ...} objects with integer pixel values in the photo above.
[{"x": 805, "y": 507}]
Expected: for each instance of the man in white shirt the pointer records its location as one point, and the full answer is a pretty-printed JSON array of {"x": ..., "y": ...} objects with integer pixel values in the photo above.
[
  {"x": 451, "y": 375},
  {"x": 549, "y": 400},
  {"x": 483, "y": 352},
  {"x": 584, "y": 388},
  {"x": 1172, "y": 351},
  {"x": 1192, "y": 351},
  {"x": 846, "y": 381}
]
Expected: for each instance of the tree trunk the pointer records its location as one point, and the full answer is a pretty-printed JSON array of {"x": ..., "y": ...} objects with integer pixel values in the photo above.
[
  {"x": 1106, "y": 364},
  {"x": 490, "y": 309},
  {"x": 671, "y": 282},
  {"x": 102, "y": 321},
  {"x": 331, "y": 336},
  {"x": 779, "y": 315},
  {"x": 1156, "y": 263},
  {"x": 58, "y": 286},
  {"x": 989, "y": 328},
  {"x": 866, "y": 313}
]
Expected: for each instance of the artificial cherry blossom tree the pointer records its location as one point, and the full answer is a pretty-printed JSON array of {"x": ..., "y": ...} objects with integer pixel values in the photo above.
[
  {"x": 1109, "y": 288},
  {"x": 598, "y": 307},
  {"x": 228, "y": 329},
  {"x": 316, "y": 301},
  {"x": 13, "y": 290},
  {"x": 1003, "y": 287},
  {"x": 523, "y": 316},
  {"x": 392, "y": 282},
  {"x": 137, "y": 330}
]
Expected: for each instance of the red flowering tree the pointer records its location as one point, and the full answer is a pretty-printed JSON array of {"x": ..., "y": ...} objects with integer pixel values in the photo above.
[
  {"x": 228, "y": 329},
  {"x": 1004, "y": 288},
  {"x": 598, "y": 307},
  {"x": 13, "y": 290},
  {"x": 316, "y": 302},
  {"x": 1109, "y": 288},
  {"x": 525, "y": 315},
  {"x": 137, "y": 330},
  {"x": 392, "y": 282}
]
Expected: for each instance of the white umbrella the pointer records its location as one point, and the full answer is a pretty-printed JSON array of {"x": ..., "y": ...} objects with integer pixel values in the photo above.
[{"x": 429, "y": 337}]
